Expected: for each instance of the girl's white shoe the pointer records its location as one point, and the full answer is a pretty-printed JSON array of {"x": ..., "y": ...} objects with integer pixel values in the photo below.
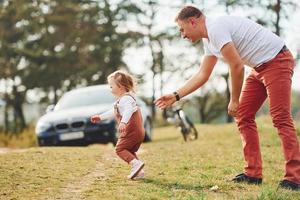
[
  {"x": 140, "y": 175},
  {"x": 137, "y": 166}
]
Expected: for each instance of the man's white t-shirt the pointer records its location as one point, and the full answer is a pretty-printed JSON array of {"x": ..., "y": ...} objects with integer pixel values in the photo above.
[
  {"x": 254, "y": 43},
  {"x": 126, "y": 106}
]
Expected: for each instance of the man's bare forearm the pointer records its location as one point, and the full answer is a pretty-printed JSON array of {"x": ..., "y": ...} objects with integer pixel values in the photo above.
[
  {"x": 237, "y": 77},
  {"x": 200, "y": 77},
  {"x": 192, "y": 84}
]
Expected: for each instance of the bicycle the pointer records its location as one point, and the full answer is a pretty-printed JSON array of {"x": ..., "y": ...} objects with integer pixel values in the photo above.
[{"x": 178, "y": 117}]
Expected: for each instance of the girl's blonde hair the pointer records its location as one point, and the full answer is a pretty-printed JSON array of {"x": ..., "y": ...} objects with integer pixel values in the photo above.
[{"x": 124, "y": 79}]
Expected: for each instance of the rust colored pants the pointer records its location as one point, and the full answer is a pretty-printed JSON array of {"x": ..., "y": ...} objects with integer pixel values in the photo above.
[
  {"x": 129, "y": 143},
  {"x": 273, "y": 80}
]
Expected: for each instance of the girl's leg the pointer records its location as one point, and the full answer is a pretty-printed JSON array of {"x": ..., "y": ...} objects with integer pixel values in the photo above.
[{"x": 124, "y": 149}]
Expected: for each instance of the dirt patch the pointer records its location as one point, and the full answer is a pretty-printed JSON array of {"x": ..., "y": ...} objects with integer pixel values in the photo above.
[{"x": 76, "y": 189}]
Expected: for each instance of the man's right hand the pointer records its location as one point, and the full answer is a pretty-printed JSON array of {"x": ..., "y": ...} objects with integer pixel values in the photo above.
[
  {"x": 165, "y": 101},
  {"x": 95, "y": 119}
]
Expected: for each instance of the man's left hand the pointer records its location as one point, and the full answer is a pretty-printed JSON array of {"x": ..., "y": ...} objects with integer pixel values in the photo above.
[{"x": 233, "y": 108}]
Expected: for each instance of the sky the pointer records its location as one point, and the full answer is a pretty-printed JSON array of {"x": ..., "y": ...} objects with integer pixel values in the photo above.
[{"x": 137, "y": 59}]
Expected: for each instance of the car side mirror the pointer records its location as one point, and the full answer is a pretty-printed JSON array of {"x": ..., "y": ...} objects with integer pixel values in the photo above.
[{"x": 50, "y": 108}]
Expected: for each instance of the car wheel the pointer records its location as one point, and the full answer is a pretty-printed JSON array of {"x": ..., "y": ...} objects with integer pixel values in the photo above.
[
  {"x": 40, "y": 142},
  {"x": 114, "y": 138},
  {"x": 148, "y": 130}
]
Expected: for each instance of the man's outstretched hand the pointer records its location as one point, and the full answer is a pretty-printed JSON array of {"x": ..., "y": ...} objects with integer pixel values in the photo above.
[{"x": 165, "y": 101}]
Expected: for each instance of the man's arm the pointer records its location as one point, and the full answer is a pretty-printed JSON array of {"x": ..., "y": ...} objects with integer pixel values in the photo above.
[
  {"x": 192, "y": 84},
  {"x": 197, "y": 80},
  {"x": 235, "y": 62}
]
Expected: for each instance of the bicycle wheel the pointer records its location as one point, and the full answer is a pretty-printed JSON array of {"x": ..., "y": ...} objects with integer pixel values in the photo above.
[
  {"x": 192, "y": 134},
  {"x": 184, "y": 132}
]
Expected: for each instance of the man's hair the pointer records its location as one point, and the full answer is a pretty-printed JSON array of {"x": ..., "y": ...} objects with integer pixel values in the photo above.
[
  {"x": 188, "y": 11},
  {"x": 123, "y": 78}
]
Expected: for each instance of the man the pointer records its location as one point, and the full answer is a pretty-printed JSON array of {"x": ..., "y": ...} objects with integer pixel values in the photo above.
[{"x": 240, "y": 41}]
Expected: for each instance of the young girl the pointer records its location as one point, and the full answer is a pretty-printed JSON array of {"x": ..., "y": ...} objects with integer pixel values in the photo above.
[{"x": 129, "y": 119}]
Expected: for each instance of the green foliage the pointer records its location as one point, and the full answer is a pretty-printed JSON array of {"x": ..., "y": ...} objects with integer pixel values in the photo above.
[
  {"x": 62, "y": 40},
  {"x": 211, "y": 106},
  {"x": 56, "y": 45},
  {"x": 75, "y": 42}
]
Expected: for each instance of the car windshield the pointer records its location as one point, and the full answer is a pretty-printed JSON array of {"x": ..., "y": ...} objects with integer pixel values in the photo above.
[{"x": 85, "y": 98}]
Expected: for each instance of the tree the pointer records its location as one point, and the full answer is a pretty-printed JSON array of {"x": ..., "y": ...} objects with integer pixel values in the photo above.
[
  {"x": 58, "y": 45},
  {"x": 274, "y": 13},
  {"x": 211, "y": 106},
  {"x": 78, "y": 44},
  {"x": 11, "y": 13},
  {"x": 154, "y": 40}
]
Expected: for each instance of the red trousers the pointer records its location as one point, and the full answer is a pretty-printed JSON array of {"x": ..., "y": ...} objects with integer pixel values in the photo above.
[
  {"x": 273, "y": 80},
  {"x": 129, "y": 143}
]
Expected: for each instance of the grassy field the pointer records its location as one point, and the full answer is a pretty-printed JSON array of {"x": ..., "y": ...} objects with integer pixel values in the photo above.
[{"x": 200, "y": 169}]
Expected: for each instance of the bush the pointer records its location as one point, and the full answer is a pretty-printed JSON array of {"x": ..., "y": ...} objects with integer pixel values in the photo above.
[{"x": 24, "y": 139}]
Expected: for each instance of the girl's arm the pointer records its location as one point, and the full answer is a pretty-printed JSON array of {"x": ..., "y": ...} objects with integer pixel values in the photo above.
[
  {"x": 128, "y": 105},
  {"x": 107, "y": 115}
]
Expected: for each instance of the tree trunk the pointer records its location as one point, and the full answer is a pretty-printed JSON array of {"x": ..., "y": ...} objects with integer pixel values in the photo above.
[
  {"x": 20, "y": 115},
  {"x": 154, "y": 74},
  {"x": 19, "y": 119},
  {"x": 55, "y": 95},
  {"x": 277, "y": 9},
  {"x": 153, "y": 98},
  {"x": 6, "y": 122},
  {"x": 203, "y": 102}
]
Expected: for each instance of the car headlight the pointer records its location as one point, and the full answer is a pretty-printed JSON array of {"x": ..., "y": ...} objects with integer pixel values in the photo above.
[{"x": 41, "y": 126}]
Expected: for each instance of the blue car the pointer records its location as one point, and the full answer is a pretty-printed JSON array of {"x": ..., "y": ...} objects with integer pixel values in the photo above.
[{"x": 68, "y": 122}]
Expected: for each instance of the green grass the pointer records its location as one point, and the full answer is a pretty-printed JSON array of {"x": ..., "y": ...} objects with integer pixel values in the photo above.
[{"x": 174, "y": 169}]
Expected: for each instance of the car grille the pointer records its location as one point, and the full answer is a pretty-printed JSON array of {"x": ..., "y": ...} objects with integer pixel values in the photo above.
[
  {"x": 62, "y": 126},
  {"x": 76, "y": 125}
]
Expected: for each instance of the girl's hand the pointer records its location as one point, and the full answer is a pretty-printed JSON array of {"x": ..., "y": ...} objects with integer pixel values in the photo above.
[
  {"x": 95, "y": 119},
  {"x": 122, "y": 128}
]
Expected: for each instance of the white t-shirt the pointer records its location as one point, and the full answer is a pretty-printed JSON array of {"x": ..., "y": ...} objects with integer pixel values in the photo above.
[
  {"x": 126, "y": 106},
  {"x": 254, "y": 43}
]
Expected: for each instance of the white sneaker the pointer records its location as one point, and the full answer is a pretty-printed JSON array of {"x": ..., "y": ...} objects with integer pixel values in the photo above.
[
  {"x": 137, "y": 166},
  {"x": 140, "y": 175}
]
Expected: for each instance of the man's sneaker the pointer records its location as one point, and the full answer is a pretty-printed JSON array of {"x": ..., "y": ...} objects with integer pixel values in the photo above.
[
  {"x": 137, "y": 166},
  {"x": 247, "y": 179},
  {"x": 140, "y": 175},
  {"x": 289, "y": 185}
]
